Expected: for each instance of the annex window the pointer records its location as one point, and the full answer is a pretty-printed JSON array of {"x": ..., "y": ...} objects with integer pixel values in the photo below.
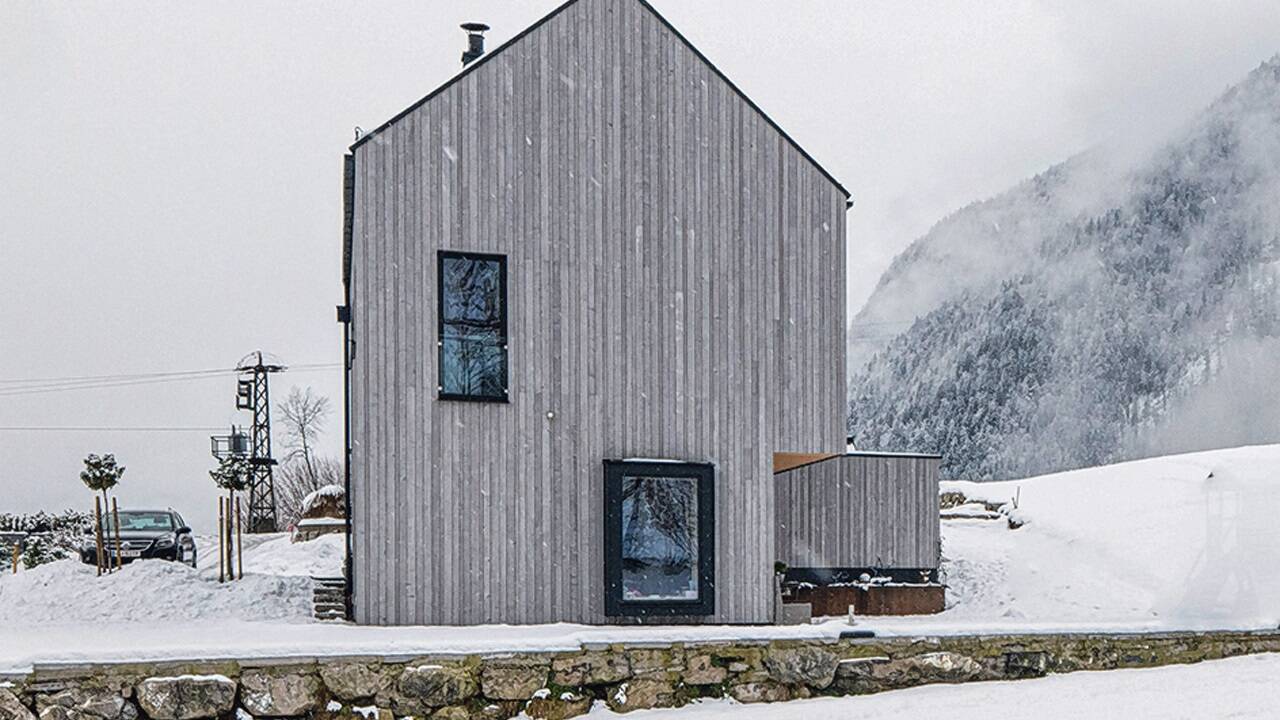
[
  {"x": 473, "y": 326},
  {"x": 659, "y": 538}
]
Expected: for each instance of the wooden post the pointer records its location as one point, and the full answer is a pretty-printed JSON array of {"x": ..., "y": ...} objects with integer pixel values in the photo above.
[
  {"x": 97, "y": 522},
  {"x": 222, "y": 555},
  {"x": 239, "y": 543},
  {"x": 17, "y": 552},
  {"x": 115, "y": 518},
  {"x": 231, "y": 546}
]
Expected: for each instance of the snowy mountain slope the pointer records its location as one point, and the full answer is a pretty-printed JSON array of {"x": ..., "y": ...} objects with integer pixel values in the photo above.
[{"x": 1119, "y": 304}]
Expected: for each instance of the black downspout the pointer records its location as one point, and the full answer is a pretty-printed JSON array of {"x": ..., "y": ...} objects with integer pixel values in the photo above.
[{"x": 344, "y": 316}]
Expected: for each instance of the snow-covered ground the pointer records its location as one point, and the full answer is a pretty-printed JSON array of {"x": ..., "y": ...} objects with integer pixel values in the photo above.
[
  {"x": 276, "y": 587},
  {"x": 1239, "y": 688},
  {"x": 1184, "y": 542},
  {"x": 1180, "y": 542}
]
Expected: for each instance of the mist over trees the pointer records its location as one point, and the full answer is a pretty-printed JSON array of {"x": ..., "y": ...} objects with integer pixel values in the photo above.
[{"x": 1109, "y": 308}]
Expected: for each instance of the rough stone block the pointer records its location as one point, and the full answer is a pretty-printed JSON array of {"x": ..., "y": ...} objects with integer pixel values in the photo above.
[
  {"x": 1023, "y": 664},
  {"x": 566, "y": 706},
  {"x": 12, "y": 709},
  {"x": 758, "y": 692},
  {"x": 186, "y": 697},
  {"x": 701, "y": 670},
  {"x": 590, "y": 668},
  {"x": 435, "y": 686},
  {"x": 513, "y": 678},
  {"x": 278, "y": 695},
  {"x": 353, "y": 681},
  {"x": 802, "y": 665},
  {"x": 642, "y": 694}
]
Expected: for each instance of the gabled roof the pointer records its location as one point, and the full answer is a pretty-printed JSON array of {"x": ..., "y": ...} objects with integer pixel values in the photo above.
[{"x": 491, "y": 54}]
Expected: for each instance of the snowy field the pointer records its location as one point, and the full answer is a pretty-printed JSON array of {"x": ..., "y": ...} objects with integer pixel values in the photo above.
[
  {"x": 1238, "y": 688},
  {"x": 1179, "y": 542},
  {"x": 1184, "y": 542}
]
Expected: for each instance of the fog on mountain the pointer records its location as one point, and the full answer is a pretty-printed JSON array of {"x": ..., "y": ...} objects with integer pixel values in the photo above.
[{"x": 1097, "y": 312}]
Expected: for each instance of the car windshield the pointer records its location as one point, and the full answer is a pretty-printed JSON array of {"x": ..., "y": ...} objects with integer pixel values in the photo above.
[{"x": 142, "y": 521}]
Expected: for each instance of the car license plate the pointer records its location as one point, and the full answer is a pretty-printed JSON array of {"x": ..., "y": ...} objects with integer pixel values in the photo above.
[{"x": 131, "y": 553}]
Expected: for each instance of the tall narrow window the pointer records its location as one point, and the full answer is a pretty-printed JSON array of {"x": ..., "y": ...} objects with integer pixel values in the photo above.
[
  {"x": 473, "y": 326},
  {"x": 659, "y": 538}
]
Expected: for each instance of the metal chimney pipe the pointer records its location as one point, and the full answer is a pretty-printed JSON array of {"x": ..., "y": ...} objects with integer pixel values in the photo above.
[{"x": 475, "y": 41}]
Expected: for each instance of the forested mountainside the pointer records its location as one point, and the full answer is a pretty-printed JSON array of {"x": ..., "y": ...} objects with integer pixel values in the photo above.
[{"x": 1105, "y": 309}]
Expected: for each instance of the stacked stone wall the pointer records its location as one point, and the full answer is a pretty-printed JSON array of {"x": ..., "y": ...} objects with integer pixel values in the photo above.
[{"x": 555, "y": 685}]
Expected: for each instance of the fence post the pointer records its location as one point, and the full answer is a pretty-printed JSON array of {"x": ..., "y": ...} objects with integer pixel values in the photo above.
[
  {"x": 239, "y": 542},
  {"x": 115, "y": 519},
  {"x": 222, "y": 555},
  {"x": 16, "y": 553},
  {"x": 97, "y": 531}
]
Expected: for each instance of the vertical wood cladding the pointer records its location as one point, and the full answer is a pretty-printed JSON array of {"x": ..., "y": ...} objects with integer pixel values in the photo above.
[
  {"x": 860, "y": 511},
  {"x": 676, "y": 290}
]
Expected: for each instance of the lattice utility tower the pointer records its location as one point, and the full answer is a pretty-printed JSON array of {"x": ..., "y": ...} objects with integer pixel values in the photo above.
[{"x": 253, "y": 395}]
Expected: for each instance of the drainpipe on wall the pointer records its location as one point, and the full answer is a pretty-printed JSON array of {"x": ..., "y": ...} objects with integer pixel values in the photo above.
[{"x": 344, "y": 317}]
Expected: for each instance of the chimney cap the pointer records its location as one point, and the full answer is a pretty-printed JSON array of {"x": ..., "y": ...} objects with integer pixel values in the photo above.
[{"x": 474, "y": 27}]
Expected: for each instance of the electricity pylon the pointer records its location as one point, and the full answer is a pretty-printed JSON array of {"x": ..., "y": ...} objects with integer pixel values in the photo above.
[{"x": 252, "y": 394}]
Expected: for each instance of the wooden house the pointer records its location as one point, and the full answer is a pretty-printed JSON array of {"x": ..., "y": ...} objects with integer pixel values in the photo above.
[{"x": 592, "y": 290}]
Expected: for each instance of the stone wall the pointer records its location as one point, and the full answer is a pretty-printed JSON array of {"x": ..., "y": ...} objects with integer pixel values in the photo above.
[{"x": 557, "y": 685}]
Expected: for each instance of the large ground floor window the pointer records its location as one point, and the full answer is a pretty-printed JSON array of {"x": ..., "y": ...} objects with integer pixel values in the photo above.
[{"x": 659, "y": 538}]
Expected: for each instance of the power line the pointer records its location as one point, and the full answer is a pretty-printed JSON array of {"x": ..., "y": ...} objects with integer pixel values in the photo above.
[
  {"x": 118, "y": 376},
  {"x": 108, "y": 381},
  {"x": 52, "y": 428}
]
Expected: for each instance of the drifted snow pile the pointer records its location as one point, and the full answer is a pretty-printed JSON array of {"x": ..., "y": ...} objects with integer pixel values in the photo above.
[
  {"x": 321, "y": 557},
  {"x": 277, "y": 586},
  {"x": 1186, "y": 541},
  {"x": 68, "y": 591}
]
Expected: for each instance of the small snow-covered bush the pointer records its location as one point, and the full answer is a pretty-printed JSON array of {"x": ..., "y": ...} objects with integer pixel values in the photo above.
[{"x": 40, "y": 549}]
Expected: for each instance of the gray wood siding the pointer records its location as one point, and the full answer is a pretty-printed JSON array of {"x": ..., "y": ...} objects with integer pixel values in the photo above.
[
  {"x": 859, "y": 511},
  {"x": 676, "y": 290}
]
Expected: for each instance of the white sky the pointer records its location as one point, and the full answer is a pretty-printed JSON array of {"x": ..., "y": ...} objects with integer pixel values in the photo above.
[{"x": 170, "y": 187}]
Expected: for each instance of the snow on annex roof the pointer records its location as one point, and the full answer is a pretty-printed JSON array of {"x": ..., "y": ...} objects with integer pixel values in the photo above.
[{"x": 643, "y": 3}]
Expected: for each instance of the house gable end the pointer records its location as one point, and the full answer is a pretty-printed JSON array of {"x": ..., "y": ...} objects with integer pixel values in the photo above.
[{"x": 483, "y": 61}]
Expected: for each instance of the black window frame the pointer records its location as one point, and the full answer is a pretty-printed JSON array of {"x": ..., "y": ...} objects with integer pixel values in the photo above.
[
  {"x": 441, "y": 256},
  {"x": 615, "y": 605}
]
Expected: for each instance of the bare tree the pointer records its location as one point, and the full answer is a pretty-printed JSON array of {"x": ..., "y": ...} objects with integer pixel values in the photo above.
[
  {"x": 304, "y": 413},
  {"x": 301, "y": 472},
  {"x": 294, "y": 482}
]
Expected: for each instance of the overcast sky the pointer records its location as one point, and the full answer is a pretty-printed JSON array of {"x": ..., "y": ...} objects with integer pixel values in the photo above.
[{"x": 170, "y": 186}]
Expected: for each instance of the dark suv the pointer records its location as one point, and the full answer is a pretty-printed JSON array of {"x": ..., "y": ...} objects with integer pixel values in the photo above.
[{"x": 144, "y": 534}]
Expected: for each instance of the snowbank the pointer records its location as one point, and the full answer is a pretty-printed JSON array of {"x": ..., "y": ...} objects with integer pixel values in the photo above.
[
  {"x": 1240, "y": 688},
  {"x": 68, "y": 591},
  {"x": 321, "y": 557},
  {"x": 1187, "y": 541}
]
